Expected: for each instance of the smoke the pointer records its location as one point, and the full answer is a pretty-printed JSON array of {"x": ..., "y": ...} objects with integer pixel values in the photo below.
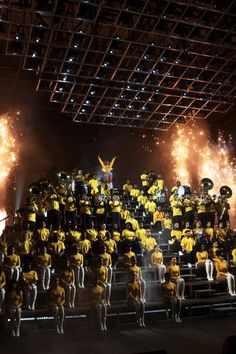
[{"x": 190, "y": 153}]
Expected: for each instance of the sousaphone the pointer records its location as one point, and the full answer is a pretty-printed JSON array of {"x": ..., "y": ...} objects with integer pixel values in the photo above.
[
  {"x": 226, "y": 192},
  {"x": 206, "y": 184}
]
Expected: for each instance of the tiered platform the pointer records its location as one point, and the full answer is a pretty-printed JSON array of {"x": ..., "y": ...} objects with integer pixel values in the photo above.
[{"x": 201, "y": 297}]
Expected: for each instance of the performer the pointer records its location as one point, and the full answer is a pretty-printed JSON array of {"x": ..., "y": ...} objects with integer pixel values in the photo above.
[
  {"x": 56, "y": 304},
  {"x": 204, "y": 262},
  {"x": 135, "y": 298},
  {"x": 157, "y": 263},
  {"x": 2, "y": 286},
  {"x": 223, "y": 274},
  {"x": 29, "y": 279},
  {"x": 170, "y": 297},
  {"x": 175, "y": 277},
  {"x": 97, "y": 304},
  {"x": 107, "y": 168},
  {"x": 14, "y": 300}
]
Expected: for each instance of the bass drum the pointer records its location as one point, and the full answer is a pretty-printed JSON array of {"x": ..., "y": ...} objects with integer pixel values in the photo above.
[{"x": 183, "y": 190}]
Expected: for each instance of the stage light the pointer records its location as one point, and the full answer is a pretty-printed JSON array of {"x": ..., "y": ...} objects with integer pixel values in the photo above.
[
  {"x": 17, "y": 36},
  {"x": 60, "y": 89},
  {"x": 72, "y": 100},
  {"x": 93, "y": 93},
  {"x": 83, "y": 110},
  {"x": 34, "y": 54},
  {"x": 130, "y": 106},
  {"x": 64, "y": 78},
  {"x": 111, "y": 51},
  {"x": 71, "y": 59},
  {"x": 37, "y": 40},
  {"x": 87, "y": 102}
]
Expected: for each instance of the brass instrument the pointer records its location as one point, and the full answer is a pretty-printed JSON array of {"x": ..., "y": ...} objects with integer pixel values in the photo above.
[
  {"x": 63, "y": 177},
  {"x": 34, "y": 190},
  {"x": 225, "y": 192},
  {"x": 206, "y": 184}
]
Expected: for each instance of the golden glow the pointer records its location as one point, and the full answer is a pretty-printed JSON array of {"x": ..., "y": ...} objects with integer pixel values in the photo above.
[
  {"x": 7, "y": 149},
  {"x": 195, "y": 157},
  {"x": 3, "y": 214}
]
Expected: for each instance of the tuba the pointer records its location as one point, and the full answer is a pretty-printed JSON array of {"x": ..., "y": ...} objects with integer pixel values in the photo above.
[
  {"x": 63, "y": 177},
  {"x": 206, "y": 184},
  {"x": 34, "y": 190},
  {"x": 226, "y": 192}
]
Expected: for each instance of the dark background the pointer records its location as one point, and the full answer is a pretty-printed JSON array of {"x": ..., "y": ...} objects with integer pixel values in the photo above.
[{"x": 50, "y": 141}]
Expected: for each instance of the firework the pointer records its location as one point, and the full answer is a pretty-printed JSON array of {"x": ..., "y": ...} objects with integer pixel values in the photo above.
[
  {"x": 3, "y": 215},
  {"x": 196, "y": 156},
  {"x": 8, "y": 158},
  {"x": 7, "y": 149}
]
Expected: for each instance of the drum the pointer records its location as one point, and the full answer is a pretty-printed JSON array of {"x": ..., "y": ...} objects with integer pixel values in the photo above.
[{"x": 183, "y": 190}]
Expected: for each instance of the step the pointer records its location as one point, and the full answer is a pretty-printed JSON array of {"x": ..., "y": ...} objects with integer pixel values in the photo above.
[{"x": 209, "y": 292}]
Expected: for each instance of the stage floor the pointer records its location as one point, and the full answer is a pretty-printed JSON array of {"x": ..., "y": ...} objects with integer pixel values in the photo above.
[{"x": 192, "y": 336}]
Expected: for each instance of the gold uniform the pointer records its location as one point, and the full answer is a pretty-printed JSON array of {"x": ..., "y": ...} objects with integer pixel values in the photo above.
[
  {"x": 30, "y": 277},
  {"x": 156, "y": 258},
  {"x": 92, "y": 234},
  {"x": 12, "y": 261},
  {"x": 128, "y": 234},
  {"x": 134, "y": 292},
  {"x": 57, "y": 296},
  {"x": 85, "y": 246},
  {"x": 102, "y": 274},
  {"x": 149, "y": 243},
  {"x": 127, "y": 258},
  {"x": 174, "y": 271},
  {"x": 44, "y": 260},
  {"x": 96, "y": 295},
  {"x": 202, "y": 257},
  {"x": 77, "y": 260}
]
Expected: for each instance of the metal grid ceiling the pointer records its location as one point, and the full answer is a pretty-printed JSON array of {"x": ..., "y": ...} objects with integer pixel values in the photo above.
[{"x": 137, "y": 63}]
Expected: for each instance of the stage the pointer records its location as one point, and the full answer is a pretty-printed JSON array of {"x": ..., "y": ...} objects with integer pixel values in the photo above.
[{"x": 192, "y": 336}]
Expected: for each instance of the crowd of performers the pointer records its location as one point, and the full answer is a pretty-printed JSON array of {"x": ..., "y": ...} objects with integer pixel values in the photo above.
[{"x": 81, "y": 226}]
